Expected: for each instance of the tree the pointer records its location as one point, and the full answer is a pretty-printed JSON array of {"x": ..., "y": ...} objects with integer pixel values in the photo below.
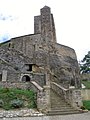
[{"x": 85, "y": 64}]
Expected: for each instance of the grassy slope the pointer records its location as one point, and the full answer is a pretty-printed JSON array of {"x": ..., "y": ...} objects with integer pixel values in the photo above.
[
  {"x": 7, "y": 95},
  {"x": 87, "y": 84},
  {"x": 86, "y": 104}
]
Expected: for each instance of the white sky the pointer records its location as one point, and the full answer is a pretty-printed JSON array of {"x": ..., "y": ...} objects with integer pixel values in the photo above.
[{"x": 72, "y": 21}]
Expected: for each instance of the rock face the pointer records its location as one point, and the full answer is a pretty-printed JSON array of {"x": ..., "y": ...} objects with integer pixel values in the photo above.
[{"x": 38, "y": 57}]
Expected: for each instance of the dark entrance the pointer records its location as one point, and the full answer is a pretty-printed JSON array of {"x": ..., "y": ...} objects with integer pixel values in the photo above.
[
  {"x": 26, "y": 78},
  {"x": 28, "y": 67},
  {"x": 0, "y": 77}
]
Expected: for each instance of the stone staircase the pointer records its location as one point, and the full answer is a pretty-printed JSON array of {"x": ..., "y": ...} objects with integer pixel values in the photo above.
[{"x": 59, "y": 106}]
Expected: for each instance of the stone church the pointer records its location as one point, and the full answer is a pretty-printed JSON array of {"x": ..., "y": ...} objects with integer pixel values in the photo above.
[{"x": 36, "y": 61}]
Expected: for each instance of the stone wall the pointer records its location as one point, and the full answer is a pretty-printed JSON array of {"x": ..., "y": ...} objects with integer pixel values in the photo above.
[
  {"x": 85, "y": 77},
  {"x": 76, "y": 98},
  {"x": 15, "y": 114},
  {"x": 43, "y": 99},
  {"x": 65, "y": 51},
  {"x": 37, "y": 24},
  {"x": 13, "y": 58},
  {"x": 13, "y": 77},
  {"x": 37, "y": 77},
  {"x": 40, "y": 79},
  {"x": 85, "y": 94},
  {"x": 27, "y": 44},
  {"x": 46, "y": 24},
  {"x": 65, "y": 70},
  {"x": 18, "y": 85},
  {"x": 53, "y": 29},
  {"x": 5, "y": 66}
]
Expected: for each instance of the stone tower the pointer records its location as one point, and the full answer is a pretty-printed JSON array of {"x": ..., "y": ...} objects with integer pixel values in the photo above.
[{"x": 44, "y": 24}]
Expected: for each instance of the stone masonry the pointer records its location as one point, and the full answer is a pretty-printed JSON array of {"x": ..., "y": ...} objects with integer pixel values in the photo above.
[{"x": 38, "y": 57}]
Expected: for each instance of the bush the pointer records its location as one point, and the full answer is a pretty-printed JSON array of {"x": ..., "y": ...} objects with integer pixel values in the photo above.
[
  {"x": 82, "y": 107},
  {"x": 16, "y": 103},
  {"x": 16, "y": 98},
  {"x": 87, "y": 84},
  {"x": 32, "y": 104},
  {"x": 5, "y": 90},
  {"x": 1, "y": 103},
  {"x": 86, "y": 103}
]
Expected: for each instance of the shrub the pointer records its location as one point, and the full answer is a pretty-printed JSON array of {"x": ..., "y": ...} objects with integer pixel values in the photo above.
[
  {"x": 16, "y": 103},
  {"x": 1, "y": 103},
  {"x": 6, "y": 90},
  {"x": 82, "y": 107},
  {"x": 16, "y": 98},
  {"x": 86, "y": 103},
  {"x": 32, "y": 104},
  {"x": 87, "y": 84}
]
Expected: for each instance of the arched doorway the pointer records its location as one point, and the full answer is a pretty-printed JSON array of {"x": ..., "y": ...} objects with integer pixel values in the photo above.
[{"x": 26, "y": 78}]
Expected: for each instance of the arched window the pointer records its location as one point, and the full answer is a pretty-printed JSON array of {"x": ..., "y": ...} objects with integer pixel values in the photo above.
[{"x": 26, "y": 78}]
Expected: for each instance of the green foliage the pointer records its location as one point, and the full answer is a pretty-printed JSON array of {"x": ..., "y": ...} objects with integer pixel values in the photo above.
[
  {"x": 16, "y": 103},
  {"x": 86, "y": 83},
  {"x": 16, "y": 98},
  {"x": 32, "y": 105},
  {"x": 1, "y": 103},
  {"x": 85, "y": 64},
  {"x": 82, "y": 107},
  {"x": 86, "y": 104}
]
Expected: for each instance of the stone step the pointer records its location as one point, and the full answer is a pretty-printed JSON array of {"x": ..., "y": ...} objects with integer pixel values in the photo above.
[
  {"x": 62, "y": 112},
  {"x": 57, "y": 100},
  {"x": 59, "y": 106},
  {"x": 60, "y": 103},
  {"x": 62, "y": 108}
]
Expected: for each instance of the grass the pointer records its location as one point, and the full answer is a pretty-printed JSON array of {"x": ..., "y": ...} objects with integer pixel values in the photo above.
[
  {"x": 86, "y": 83},
  {"x": 86, "y": 104},
  {"x": 27, "y": 97}
]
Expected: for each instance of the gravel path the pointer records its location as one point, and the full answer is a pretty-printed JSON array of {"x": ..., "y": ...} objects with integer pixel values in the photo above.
[{"x": 84, "y": 116}]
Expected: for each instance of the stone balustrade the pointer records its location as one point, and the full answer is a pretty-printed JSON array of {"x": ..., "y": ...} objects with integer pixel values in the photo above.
[{"x": 71, "y": 96}]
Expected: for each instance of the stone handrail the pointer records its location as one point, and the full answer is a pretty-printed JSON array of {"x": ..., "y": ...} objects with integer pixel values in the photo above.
[
  {"x": 37, "y": 85},
  {"x": 71, "y": 96},
  {"x": 63, "y": 92},
  {"x": 61, "y": 87}
]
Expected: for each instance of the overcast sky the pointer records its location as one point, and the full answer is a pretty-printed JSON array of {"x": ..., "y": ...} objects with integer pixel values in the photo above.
[{"x": 72, "y": 21}]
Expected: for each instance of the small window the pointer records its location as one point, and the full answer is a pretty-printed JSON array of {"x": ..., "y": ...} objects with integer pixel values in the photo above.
[
  {"x": 72, "y": 82},
  {"x": 28, "y": 67}
]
